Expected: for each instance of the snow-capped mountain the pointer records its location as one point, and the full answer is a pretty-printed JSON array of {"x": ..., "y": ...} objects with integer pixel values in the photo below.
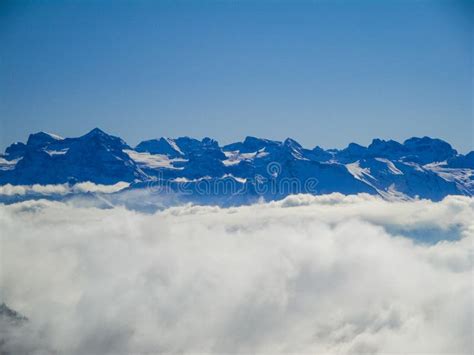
[{"x": 419, "y": 167}]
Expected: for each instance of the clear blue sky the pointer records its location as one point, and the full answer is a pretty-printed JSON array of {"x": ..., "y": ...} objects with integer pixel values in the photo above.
[{"x": 323, "y": 72}]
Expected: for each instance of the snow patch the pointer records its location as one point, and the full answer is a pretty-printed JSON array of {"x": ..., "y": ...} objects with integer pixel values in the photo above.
[
  {"x": 357, "y": 171},
  {"x": 393, "y": 169},
  {"x": 186, "y": 180},
  {"x": 56, "y": 152},
  {"x": 173, "y": 145},
  {"x": 235, "y": 157},
  {"x": 8, "y": 164},
  {"x": 238, "y": 179},
  {"x": 464, "y": 178},
  {"x": 153, "y": 160}
]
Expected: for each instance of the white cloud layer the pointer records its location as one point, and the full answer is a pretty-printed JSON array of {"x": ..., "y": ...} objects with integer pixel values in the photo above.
[
  {"x": 60, "y": 189},
  {"x": 307, "y": 275}
]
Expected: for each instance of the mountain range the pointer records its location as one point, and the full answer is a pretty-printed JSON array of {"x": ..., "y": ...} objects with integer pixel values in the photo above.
[{"x": 254, "y": 168}]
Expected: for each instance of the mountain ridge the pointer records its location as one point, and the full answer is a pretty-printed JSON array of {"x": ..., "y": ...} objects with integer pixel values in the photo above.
[{"x": 421, "y": 167}]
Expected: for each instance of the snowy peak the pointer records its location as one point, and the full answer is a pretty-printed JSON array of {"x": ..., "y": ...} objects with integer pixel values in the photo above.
[
  {"x": 42, "y": 139},
  {"x": 387, "y": 149},
  {"x": 462, "y": 161},
  {"x": 48, "y": 159},
  {"x": 164, "y": 146},
  {"x": 352, "y": 153},
  {"x": 188, "y": 145},
  {"x": 16, "y": 150},
  {"x": 210, "y": 143},
  {"x": 319, "y": 154},
  {"x": 95, "y": 132},
  {"x": 427, "y": 150},
  {"x": 293, "y": 148},
  {"x": 292, "y": 144},
  {"x": 251, "y": 144},
  {"x": 180, "y": 147},
  {"x": 99, "y": 137},
  {"x": 419, "y": 150}
]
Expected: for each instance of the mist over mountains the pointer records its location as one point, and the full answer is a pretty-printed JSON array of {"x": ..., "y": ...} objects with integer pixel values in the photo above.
[{"x": 243, "y": 171}]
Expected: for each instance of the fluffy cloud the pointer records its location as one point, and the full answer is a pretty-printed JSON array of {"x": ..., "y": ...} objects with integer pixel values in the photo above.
[{"x": 324, "y": 274}]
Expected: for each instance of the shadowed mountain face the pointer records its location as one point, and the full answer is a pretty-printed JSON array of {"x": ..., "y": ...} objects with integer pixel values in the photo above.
[
  {"x": 9, "y": 315},
  {"x": 419, "y": 167},
  {"x": 49, "y": 159},
  {"x": 12, "y": 332}
]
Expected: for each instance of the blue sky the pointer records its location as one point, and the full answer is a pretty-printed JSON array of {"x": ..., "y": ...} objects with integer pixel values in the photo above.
[{"x": 322, "y": 72}]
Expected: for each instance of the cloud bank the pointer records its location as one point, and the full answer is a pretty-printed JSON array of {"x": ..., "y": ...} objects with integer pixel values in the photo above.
[
  {"x": 308, "y": 274},
  {"x": 60, "y": 189}
]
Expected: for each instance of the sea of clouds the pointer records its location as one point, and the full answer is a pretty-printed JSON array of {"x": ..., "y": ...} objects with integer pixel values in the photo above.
[{"x": 305, "y": 275}]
